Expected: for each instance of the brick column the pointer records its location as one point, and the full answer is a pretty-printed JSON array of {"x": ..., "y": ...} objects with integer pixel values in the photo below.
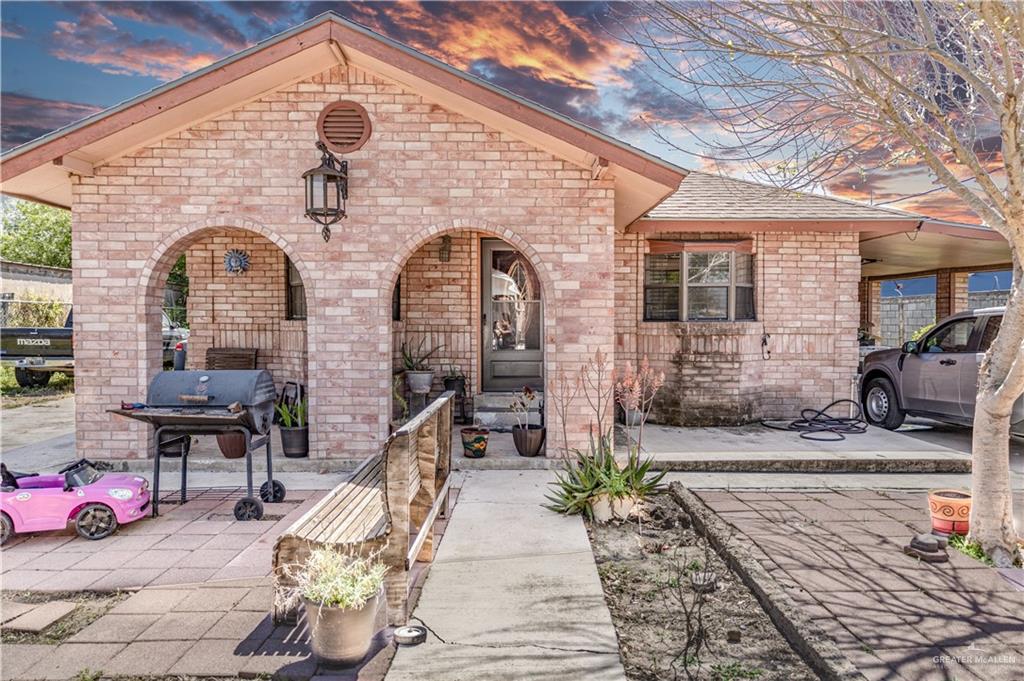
[{"x": 943, "y": 294}]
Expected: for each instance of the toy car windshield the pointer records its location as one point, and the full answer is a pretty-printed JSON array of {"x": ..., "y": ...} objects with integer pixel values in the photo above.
[{"x": 81, "y": 473}]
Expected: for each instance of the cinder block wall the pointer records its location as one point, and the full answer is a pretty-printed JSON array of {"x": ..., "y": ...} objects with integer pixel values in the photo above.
[
  {"x": 247, "y": 310},
  {"x": 425, "y": 171},
  {"x": 806, "y": 299}
]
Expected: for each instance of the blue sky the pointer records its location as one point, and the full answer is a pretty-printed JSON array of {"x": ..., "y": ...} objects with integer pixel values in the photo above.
[{"x": 62, "y": 61}]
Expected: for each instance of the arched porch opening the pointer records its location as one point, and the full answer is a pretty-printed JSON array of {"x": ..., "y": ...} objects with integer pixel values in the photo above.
[
  {"x": 473, "y": 298},
  {"x": 245, "y": 289}
]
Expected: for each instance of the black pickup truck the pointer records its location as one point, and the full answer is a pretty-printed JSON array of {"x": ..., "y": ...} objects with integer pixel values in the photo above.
[{"x": 35, "y": 353}]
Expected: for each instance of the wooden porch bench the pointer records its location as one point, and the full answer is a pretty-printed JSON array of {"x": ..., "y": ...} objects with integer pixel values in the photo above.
[{"x": 387, "y": 506}]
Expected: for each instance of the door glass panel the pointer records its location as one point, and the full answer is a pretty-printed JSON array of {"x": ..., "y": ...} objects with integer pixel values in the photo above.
[
  {"x": 952, "y": 337},
  {"x": 515, "y": 303}
]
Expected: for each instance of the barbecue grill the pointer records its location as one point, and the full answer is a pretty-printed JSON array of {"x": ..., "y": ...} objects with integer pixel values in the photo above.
[{"x": 187, "y": 403}]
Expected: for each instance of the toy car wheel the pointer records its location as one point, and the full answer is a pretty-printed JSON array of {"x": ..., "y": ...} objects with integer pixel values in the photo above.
[
  {"x": 248, "y": 508},
  {"x": 95, "y": 521},
  {"x": 6, "y": 528},
  {"x": 272, "y": 492}
]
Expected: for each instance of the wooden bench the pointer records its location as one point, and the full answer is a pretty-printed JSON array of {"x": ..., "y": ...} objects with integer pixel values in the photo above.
[{"x": 387, "y": 507}]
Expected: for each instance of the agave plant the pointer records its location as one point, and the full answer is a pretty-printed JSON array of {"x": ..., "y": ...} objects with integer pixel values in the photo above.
[{"x": 416, "y": 360}]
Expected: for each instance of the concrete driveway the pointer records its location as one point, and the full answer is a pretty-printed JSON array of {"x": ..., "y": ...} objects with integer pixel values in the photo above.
[{"x": 957, "y": 438}]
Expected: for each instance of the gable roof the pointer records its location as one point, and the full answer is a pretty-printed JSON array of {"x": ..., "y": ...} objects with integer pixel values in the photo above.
[
  {"x": 39, "y": 169},
  {"x": 703, "y": 196}
]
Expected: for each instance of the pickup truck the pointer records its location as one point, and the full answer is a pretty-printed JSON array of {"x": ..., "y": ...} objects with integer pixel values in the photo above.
[
  {"x": 936, "y": 376},
  {"x": 36, "y": 353}
]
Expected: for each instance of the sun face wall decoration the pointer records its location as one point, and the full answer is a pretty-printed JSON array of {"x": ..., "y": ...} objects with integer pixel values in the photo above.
[{"x": 236, "y": 262}]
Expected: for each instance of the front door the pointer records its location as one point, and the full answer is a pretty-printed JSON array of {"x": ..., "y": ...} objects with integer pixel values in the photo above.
[{"x": 512, "y": 319}]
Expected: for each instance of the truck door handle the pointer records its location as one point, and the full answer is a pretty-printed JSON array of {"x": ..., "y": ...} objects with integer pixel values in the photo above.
[{"x": 947, "y": 362}]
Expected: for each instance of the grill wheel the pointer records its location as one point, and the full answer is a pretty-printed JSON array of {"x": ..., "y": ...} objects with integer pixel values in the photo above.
[
  {"x": 272, "y": 493},
  {"x": 248, "y": 508}
]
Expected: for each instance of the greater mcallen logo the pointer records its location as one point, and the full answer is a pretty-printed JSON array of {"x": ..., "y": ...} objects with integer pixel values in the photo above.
[{"x": 33, "y": 341}]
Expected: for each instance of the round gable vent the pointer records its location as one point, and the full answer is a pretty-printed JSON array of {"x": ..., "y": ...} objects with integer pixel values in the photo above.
[{"x": 343, "y": 126}]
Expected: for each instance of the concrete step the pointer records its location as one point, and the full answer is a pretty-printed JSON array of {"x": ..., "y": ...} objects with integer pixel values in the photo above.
[
  {"x": 494, "y": 410},
  {"x": 501, "y": 401}
]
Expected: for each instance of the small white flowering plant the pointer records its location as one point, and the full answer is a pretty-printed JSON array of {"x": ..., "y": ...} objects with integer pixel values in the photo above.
[{"x": 338, "y": 579}]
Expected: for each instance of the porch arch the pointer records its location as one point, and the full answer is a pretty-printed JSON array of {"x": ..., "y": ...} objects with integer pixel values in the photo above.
[
  {"x": 153, "y": 279},
  {"x": 541, "y": 266}
]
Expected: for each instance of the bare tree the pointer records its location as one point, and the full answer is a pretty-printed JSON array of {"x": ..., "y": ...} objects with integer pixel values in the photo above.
[{"x": 806, "y": 91}]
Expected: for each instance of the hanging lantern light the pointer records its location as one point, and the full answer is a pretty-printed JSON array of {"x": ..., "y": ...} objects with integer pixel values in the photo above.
[
  {"x": 326, "y": 191},
  {"x": 444, "y": 254}
]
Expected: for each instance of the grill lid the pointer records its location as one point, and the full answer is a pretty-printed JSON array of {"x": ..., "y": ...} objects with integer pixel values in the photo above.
[{"x": 251, "y": 388}]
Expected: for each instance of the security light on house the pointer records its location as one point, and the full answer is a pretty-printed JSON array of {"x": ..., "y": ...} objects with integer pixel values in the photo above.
[{"x": 326, "y": 190}]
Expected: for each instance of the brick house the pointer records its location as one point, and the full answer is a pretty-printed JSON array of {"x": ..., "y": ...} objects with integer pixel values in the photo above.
[{"x": 517, "y": 241}]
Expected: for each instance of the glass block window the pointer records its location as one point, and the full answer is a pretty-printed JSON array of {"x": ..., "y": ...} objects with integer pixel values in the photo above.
[{"x": 705, "y": 285}]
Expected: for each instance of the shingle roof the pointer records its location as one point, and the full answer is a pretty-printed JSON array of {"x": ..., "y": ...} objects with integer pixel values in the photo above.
[{"x": 702, "y": 196}]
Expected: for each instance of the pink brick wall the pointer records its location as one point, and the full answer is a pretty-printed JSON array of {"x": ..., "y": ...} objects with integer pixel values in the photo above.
[
  {"x": 247, "y": 310},
  {"x": 807, "y": 297},
  {"x": 425, "y": 171}
]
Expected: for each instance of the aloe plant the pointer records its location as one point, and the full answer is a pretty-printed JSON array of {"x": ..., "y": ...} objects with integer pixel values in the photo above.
[
  {"x": 596, "y": 472},
  {"x": 293, "y": 415},
  {"x": 416, "y": 360}
]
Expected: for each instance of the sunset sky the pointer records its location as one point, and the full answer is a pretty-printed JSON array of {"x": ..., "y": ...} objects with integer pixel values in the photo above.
[{"x": 64, "y": 60}]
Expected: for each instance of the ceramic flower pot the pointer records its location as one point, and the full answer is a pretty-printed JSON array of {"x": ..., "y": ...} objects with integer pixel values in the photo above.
[
  {"x": 474, "y": 442},
  {"x": 295, "y": 442},
  {"x": 232, "y": 445},
  {"x": 950, "y": 510},
  {"x": 419, "y": 382},
  {"x": 601, "y": 508},
  {"x": 622, "y": 507},
  {"x": 529, "y": 440},
  {"x": 341, "y": 638}
]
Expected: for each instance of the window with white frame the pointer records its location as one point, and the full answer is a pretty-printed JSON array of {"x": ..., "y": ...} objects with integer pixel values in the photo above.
[{"x": 699, "y": 285}]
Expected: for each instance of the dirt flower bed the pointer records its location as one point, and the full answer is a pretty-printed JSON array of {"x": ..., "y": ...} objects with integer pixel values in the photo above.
[
  {"x": 89, "y": 607},
  {"x": 648, "y": 568}
]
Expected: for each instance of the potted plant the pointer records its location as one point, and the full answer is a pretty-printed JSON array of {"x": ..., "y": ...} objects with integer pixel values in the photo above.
[
  {"x": 455, "y": 380},
  {"x": 419, "y": 377},
  {"x": 474, "y": 442},
  {"x": 950, "y": 511},
  {"x": 341, "y": 592},
  {"x": 294, "y": 428},
  {"x": 528, "y": 437}
]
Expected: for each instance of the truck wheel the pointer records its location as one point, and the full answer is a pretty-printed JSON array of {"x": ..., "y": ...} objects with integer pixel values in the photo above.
[
  {"x": 95, "y": 521},
  {"x": 25, "y": 378},
  {"x": 41, "y": 378},
  {"x": 880, "y": 405}
]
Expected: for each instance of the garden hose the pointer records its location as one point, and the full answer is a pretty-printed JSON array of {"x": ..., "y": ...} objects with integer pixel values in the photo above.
[{"x": 819, "y": 425}]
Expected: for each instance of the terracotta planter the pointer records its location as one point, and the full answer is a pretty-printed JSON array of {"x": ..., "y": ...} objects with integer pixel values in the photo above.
[
  {"x": 419, "y": 382},
  {"x": 341, "y": 638},
  {"x": 295, "y": 442},
  {"x": 232, "y": 445},
  {"x": 474, "y": 442},
  {"x": 529, "y": 440},
  {"x": 950, "y": 510}
]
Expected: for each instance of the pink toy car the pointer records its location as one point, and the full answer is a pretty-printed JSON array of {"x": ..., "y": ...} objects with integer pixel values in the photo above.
[{"x": 97, "y": 502}]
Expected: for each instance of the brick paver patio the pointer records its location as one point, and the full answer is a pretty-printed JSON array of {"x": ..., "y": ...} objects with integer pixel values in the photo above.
[
  {"x": 197, "y": 542},
  {"x": 838, "y": 555}
]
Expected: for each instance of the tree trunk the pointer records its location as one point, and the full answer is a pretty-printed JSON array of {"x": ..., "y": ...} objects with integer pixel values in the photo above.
[
  {"x": 992, "y": 497},
  {"x": 1000, "y": 383}
]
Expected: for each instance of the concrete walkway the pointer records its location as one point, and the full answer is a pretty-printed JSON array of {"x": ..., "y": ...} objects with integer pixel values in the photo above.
[{"x": 513, "y": 592}]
